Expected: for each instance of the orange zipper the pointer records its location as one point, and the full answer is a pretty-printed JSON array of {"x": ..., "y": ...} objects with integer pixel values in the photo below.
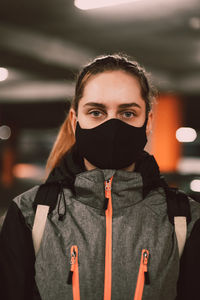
[
  {"x": 143, "y": 275},
  {"x": 108, "y": 250},
  {"x": 74, "y": 274}
]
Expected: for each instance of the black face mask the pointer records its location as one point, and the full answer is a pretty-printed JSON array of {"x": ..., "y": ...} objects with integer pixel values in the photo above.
[{"x": 113, "y": 144}]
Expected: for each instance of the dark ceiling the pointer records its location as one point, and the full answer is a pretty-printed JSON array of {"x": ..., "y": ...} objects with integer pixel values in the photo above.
[{"x": 44, "y": 43}]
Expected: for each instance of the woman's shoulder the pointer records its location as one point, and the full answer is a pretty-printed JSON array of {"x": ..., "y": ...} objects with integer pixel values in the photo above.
[
  {"x": 195, "y": 214},
  {"x": 26, "y": 197},
  {"x": 25, "y": 201},
  {"x": 194, "y": 206}
]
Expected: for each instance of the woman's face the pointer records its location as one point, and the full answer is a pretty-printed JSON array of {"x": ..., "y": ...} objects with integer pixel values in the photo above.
[{"x": 108, "y": 95}]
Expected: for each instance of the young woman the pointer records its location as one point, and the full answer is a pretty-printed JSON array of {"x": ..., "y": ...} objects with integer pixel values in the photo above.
[{"x": 108, "y": 234}]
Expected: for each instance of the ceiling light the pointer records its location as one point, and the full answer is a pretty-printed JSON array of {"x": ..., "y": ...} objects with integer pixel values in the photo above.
[
  {"x": 5, "y": 132},
  {"x": 195, "y": 185},
  {"x": 186, "y": 134},
  {"x": 194, "y": 23},
  {"x": 189, "y": 165},
  {"x": 3, "y": 74},
  {"x": 91, "y": 4}
]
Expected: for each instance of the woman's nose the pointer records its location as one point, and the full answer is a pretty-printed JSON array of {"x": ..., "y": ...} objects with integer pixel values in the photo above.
[{"x": 112, "y": 115}]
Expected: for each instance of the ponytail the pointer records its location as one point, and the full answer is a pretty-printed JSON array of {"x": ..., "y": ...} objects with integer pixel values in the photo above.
[{"x": 65, "y": 140}]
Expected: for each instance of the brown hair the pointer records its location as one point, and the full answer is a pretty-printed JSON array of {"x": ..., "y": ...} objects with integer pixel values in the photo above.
[{"x": 65, "y": 138}]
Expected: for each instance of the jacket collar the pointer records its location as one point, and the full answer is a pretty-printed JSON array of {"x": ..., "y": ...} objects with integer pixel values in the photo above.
[
  {"x": 72, "y": 164},
  {"x": 126, "y": 189},
  {"x": 71, "y": 173}
]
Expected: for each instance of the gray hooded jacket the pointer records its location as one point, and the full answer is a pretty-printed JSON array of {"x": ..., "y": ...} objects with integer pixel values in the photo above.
[{"x": 122, "y": 250}]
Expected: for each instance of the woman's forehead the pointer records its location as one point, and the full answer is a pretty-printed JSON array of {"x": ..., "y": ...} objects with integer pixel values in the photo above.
[{"x": 109, "y": 86}]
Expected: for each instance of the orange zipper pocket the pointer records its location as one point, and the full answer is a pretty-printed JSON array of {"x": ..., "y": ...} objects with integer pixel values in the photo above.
[
  {"x": 73, "y": 277},
  {"x": 143, "y": 275}
]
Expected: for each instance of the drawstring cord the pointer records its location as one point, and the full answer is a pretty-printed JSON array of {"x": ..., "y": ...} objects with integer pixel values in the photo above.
[{"x": 61, "y": 197}]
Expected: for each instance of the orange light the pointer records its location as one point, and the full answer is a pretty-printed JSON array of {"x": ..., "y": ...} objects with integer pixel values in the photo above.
[
  {"x": 168, "y": 118},
  {"x": 28, "y": 171}
]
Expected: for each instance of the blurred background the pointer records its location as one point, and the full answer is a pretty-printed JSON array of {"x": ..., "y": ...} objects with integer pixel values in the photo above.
[{"x": 44, "y": 43}]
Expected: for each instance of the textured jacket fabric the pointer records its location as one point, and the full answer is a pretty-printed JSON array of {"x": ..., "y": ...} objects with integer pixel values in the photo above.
[{"x": 138, "y": 223}]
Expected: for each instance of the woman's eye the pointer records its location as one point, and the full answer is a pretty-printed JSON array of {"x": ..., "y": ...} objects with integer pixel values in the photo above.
[
  {"x": 128, "y": 114},
  {"x": 95, "y": 113}
]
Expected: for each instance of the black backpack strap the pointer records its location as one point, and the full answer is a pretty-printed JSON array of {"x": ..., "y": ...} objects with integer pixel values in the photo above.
[
  {"x": 47, "y": 194},
  {"x": 178, "y": 210},
  {"x": 177, "y": 204},
  {"x": 45, "y": 202}
]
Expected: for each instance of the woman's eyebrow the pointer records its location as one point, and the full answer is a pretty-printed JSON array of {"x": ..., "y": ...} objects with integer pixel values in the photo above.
[
  {"x": 127, "y": 105},
  {"x": 95, "y": 104},
  {"x": 103, "y": 106}
]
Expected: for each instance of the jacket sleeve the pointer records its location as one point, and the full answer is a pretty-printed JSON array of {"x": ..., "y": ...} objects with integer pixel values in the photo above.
[
  {"x": 17, "y": 258},
  {"x": 189, "y": 274}
]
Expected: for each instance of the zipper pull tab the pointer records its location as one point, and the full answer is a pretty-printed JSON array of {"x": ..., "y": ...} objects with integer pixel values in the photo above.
[
  {"x": 69, "y": 280},
  {"x": 108, "y": 184},
  {"x": 145, "y": 263},
  {"x": 73, "y": 261},
  {"x": 106, "y": 203}
]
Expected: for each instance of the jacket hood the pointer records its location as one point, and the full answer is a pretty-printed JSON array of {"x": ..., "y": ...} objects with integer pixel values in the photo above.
[
  {"x": 126, "y": 188},
  {"x": 65, "y": 173},
  {"x": 72, "y": 164}
]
